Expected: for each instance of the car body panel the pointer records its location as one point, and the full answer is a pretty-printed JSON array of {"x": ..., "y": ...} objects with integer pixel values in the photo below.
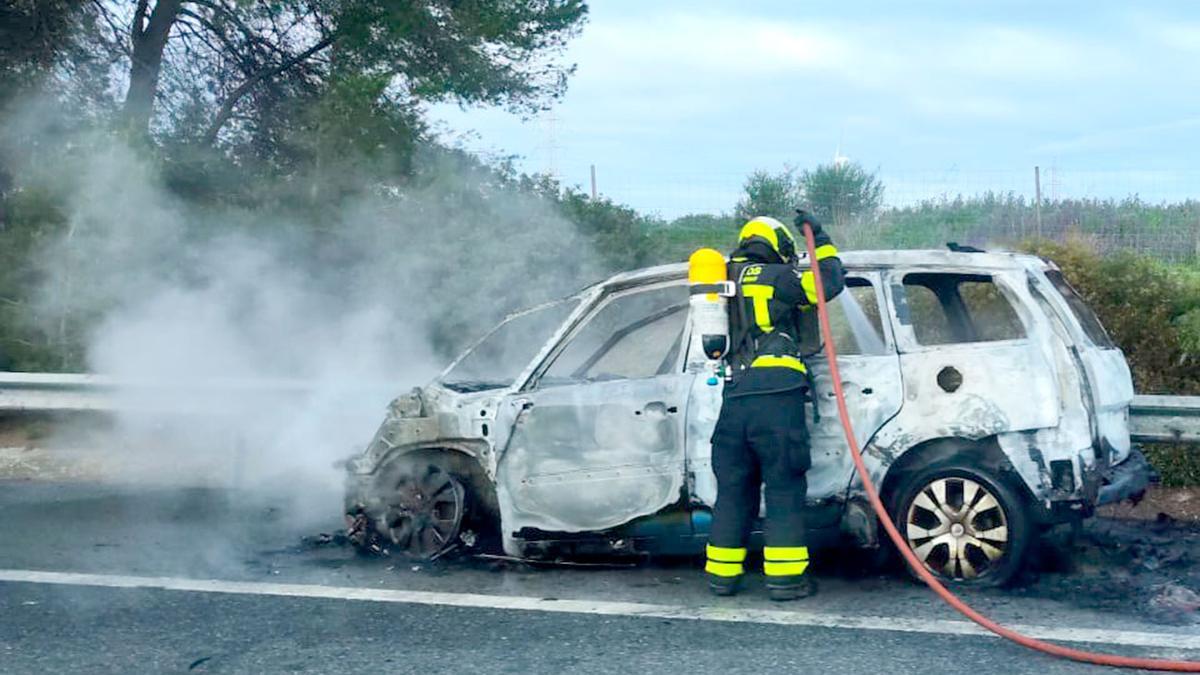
[
  {"x": 594, "y": 456},
  {"x": 567, "y": 458}
]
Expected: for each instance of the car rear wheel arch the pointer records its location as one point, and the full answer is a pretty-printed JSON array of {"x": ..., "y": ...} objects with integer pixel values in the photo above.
[
  {"x": 984, "y": 453},
  {"x": 954, "y": 459}
]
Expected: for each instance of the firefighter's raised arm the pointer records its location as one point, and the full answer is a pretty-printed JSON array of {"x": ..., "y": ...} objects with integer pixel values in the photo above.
[{"x": 833, "y": 277}]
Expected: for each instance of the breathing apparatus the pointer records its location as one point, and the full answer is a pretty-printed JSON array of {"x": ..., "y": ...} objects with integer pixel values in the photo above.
[{"x": 710, "y": 289}]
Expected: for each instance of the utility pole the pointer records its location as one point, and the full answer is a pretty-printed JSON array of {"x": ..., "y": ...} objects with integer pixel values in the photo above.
[
  {"x": 593, "y": 182},
  {"x": 1037, "y": 204}
]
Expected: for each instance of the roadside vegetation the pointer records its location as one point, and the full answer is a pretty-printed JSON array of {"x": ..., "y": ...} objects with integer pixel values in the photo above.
[{"x": 290, "y": 115}]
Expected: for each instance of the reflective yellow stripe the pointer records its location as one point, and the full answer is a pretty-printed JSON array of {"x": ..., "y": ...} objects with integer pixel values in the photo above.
[
  {"x": 809, "y": 286},
  {"x": 826, "y": 251},
  {"x": 723, "y": 554},
  {"x": 806, "y": 279},
  {"x": 760, "y": 294},
  {"x": 723, "y": 569},
  {"x": 779, "y": 362},
  {"x": 784, "y": 569},
  {"x": 785, "y": 553}
]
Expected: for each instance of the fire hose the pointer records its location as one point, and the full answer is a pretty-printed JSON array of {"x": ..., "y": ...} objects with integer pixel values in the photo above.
[{"x": 911, "y": 558}]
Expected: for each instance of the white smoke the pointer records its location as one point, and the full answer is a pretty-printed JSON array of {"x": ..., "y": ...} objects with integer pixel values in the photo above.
[{"x": 178, "y": 296}]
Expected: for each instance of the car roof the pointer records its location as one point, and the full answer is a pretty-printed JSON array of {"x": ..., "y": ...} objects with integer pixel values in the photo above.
[{"x": 861, "y": 260}]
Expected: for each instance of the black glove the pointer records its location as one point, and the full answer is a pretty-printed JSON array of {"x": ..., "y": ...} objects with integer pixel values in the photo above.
[{"x": 803, "y": 217}]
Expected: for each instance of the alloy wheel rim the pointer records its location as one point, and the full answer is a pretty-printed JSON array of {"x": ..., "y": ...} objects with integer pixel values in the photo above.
[
  {"x": 957, "y": 528},
  {"x": 425, "y": 512}
]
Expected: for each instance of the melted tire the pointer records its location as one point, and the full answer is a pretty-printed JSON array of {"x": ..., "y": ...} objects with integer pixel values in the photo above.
[{"x": 463, "y": 526}]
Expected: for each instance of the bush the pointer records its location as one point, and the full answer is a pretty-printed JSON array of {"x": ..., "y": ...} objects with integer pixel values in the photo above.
[{"x": 1178, "y": 465}]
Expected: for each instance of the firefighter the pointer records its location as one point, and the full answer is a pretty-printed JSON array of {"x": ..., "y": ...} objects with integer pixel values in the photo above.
[{"x": 761, "y": 435}]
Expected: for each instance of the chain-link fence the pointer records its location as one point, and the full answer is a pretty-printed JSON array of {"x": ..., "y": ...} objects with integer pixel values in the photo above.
[{"x": 1156, "y": 212}]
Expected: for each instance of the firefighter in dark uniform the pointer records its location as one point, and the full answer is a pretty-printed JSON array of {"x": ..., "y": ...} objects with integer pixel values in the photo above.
[{"x": 761, "y": 435}]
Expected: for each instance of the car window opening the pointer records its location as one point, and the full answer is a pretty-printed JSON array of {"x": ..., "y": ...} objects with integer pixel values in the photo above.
[
  {"x": 856, "y": 321},
  {"x": 947, "y": 308},
  {"x": 633, "y": 336}
]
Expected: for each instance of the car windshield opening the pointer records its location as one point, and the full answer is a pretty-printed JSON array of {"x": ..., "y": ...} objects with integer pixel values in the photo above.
[{"x": 496, "y": 360}]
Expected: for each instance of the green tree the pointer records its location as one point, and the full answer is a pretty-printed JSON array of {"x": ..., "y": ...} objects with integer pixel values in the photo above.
[
  {"x": 841, "y": 193},
  {"x": 768, "y": 194},
  {"x": 243, "y": 61},
  {"x": 33, "y": 35}
]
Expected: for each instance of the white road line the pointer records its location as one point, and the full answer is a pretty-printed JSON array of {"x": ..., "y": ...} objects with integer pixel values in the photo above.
[{"x": 800, "y": 617}]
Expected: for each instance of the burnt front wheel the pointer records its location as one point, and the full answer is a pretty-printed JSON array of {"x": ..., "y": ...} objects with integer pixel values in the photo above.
[
  {"x": 424, "y": 512},
  {"x": 964, "y": 524}
]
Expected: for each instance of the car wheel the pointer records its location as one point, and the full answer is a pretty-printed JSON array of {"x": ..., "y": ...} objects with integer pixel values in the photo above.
[
  {"x": 965, "y": 524},
  {"x": 424, "y": 511}
]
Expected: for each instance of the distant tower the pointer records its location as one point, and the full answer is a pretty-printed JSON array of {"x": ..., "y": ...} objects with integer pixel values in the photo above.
[{"x": 840, "y": 160}]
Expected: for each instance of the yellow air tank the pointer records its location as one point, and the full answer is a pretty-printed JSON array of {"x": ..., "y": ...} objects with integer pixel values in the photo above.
[{"x": 710, "y": 289}]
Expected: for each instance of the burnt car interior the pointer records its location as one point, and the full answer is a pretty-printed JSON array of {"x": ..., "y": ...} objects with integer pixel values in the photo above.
[{"x": 947, "y": 308}]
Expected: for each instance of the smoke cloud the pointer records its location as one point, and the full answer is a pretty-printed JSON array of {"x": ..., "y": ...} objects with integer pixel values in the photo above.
[{"x": 359, "y": 307}]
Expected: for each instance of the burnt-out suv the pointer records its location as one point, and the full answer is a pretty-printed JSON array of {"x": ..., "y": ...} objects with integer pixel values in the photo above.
[{"x": 988, "y": 399}]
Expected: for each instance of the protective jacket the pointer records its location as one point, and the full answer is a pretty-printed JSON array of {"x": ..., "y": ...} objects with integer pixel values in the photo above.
[
  {"x": 761, "y": 435},
  {"x": 766, "y": 316}
]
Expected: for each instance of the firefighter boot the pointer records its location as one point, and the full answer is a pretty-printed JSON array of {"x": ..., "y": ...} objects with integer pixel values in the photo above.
[
  {"x": 784, "y": 589},
  {"x": 725, "y": 568}
]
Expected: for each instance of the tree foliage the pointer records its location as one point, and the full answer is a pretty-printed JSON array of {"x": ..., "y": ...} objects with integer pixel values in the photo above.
[
  {"x": 234, "y": 71},
  {"x": 769, "y": 194},
  {"x": 841, "y": 193}
]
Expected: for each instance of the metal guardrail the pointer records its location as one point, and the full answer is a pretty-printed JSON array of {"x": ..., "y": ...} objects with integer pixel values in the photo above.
[
  {"x": 1152, "y": 419},
  {"x": 1165, "y": 419},
  {"x": 66, "y": 392}
]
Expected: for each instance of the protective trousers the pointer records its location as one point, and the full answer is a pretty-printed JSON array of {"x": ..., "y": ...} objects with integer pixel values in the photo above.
[{"x": 760, "y": 438}]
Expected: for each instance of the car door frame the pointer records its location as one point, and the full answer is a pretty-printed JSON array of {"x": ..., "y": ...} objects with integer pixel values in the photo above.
[
  {"x": 836, "y": 466},
  {"x": 511, "y": 478},
  {"x": 1012, "y": 405}
]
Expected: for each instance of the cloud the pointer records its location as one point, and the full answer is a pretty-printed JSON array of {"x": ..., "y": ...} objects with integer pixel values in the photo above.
[
  {"x": 715, "y": 60},
  {"x": 638, "y": 49},
  {"x": 667, "y": 89},
  {"x": 1170, "y": 32},
  {"x": 957, "y": 107},
  {"x": 1122, "y": 137}
]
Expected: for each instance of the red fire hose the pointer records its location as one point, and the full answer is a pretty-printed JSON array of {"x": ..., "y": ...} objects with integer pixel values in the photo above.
[{"x": 911, "y": 558}]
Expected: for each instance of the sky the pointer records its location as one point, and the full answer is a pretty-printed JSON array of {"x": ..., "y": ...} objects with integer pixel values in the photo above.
[{"x": 675, "y": 102}]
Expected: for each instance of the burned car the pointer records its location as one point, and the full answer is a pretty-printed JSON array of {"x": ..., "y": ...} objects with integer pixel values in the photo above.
[{"x": 988, "y": 399}]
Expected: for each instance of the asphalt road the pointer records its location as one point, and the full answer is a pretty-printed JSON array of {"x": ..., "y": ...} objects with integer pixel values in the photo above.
[{"x": 124, "y": 533}]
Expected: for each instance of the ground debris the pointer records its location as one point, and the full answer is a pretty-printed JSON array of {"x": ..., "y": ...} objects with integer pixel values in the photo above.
[
  {"x": 324, "y": 540},
  {"x": 610, "y": 565},
  {"x": 1132, "y": 567},
  {"x": 1175, "y": 598}
]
